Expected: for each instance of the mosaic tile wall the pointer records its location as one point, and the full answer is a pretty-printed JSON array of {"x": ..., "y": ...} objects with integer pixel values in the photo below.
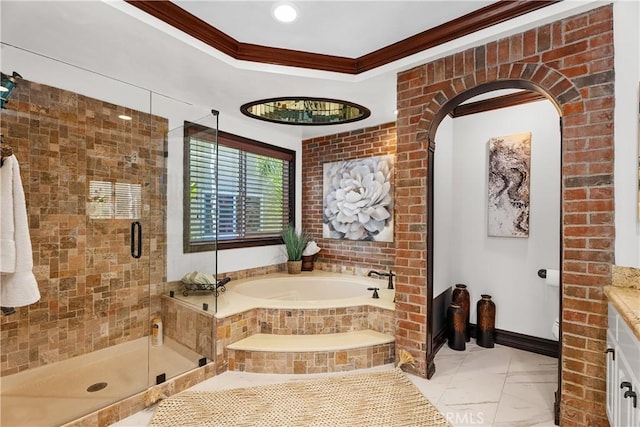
[
  {"x": 94, "y": 294},
  {"x": 314, "y": 362},
  {"x": 190, "y": 327},
  {"x": 310, "y": 322},
  {"x": 324, "y": 320},
  {"x": 231, "y": 329},
  {"x": 242, "y": 325}
]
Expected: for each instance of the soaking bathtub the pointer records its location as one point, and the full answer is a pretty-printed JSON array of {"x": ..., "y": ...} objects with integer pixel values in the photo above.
[
  {"x": 280, "y": 306},
  {"x": 314, "y": 289}
]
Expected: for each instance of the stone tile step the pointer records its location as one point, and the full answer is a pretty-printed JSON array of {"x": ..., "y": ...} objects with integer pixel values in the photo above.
[{"x": 310, "y": 343}]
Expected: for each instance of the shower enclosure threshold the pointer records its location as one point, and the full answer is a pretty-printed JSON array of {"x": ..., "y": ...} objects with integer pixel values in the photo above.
[{"x": 54, "y": 394}]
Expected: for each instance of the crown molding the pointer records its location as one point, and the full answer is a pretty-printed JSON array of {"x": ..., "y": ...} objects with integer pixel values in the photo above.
[
  {"x": 498, "y": 102},
  {"x": 485, "y": 17},
  {"x": 480, "y": 19}
]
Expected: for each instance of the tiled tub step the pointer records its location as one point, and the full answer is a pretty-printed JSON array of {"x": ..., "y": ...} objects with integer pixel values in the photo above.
[{"x": 310, "y": 354}]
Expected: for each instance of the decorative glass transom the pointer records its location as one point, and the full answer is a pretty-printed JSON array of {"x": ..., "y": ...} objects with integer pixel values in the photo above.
[{"x": 305, "y": 111}]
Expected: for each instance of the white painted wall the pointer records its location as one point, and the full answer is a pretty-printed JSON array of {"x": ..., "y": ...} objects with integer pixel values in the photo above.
[
  {"x": 505, "y": 268},
  {"x": 47, "y": 71},
  {"x": 626, "y": 15},
  {"x": 627, "y": 64},
  {"x": 179, "y": 263}
]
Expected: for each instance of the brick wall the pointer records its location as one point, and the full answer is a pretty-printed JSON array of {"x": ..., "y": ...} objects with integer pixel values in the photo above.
[
  {"x": 343, "y": 255},
  {"x": 571, "y": 61},
  {"x": 94, "y": 294}
]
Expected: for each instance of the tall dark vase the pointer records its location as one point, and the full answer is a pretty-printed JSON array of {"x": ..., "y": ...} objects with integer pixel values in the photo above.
[
  {"x": 456, "y": 324},
  {"x": 486, "y": 321},
  {"x": 460, "y": 296}
]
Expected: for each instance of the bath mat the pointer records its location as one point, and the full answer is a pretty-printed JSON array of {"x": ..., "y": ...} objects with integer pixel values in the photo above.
[{"x": 386, "y": 398}]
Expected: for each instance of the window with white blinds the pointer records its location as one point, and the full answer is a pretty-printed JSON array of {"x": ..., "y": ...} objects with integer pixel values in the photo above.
[{"x": 240, "y": 191}]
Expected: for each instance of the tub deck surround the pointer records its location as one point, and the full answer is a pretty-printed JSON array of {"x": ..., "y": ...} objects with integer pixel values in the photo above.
[
  {"x": 311, "y": 354},
  {"x": 311, "y": 362},
  {"x": 307, "y": 290},
  {"x": 305, "y": 323},
  {"x": 299, "y": 321},
  {"x": 312, "y": 343}
]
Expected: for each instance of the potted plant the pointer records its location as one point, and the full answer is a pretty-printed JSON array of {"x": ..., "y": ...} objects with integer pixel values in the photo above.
[{"x": 294, "y": 243}]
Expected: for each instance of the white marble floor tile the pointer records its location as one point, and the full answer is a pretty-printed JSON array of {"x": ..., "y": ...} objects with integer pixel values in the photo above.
[
  {"x": 480, "y": 390},
  {"x": 492, "y": 361},
  {"x": 469, "y": 415},
  {"x": 431, "y": 389},
  {"x": 533, "y": 376},
  {"x": 524, "y": 404},
  {"x": 446, "y": 368},
  {"x": 525, "y": 361},
  {"x": 477, "y": 387}
]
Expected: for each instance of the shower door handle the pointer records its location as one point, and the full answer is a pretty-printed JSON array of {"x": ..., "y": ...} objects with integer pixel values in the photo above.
[{"x": 136, "y": 239}]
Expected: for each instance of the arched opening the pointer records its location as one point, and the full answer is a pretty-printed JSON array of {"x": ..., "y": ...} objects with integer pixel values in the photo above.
[
  {"x": 581, "y": 85},
  {"x": 434, "y": 226}
]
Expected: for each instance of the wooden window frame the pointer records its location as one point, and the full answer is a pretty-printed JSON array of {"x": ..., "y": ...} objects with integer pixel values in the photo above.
[{"x": 245, "y": 144}]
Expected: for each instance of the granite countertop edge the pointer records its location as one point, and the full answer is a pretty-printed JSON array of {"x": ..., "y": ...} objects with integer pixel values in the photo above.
[{"x": 627, "y": 301}]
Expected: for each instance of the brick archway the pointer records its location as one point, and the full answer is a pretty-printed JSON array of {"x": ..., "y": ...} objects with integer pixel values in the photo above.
[
  {"x": 571, "y": 62},
  {"x": 519, "y": 75}
]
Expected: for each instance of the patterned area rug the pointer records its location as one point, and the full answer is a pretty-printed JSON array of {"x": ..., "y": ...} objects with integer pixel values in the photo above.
[{"x": 386, "y": 398}]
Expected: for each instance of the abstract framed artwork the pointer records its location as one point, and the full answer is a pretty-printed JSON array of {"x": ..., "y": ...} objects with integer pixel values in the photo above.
[
  {"x": 358, "y": 199},
  {"x": 508, "y": 189}
]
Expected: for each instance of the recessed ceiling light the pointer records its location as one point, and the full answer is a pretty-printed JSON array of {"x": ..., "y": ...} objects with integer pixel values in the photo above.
[
  {"x": 284, "y": 12},
  {"x": 124, "y": 117}
]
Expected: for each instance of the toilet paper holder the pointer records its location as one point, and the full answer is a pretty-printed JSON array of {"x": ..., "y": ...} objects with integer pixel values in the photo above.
[{"x": 550, "y": 276}]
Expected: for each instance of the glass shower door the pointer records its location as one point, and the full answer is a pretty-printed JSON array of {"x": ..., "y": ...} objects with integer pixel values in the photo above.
[{"x": 93, "y": 205}]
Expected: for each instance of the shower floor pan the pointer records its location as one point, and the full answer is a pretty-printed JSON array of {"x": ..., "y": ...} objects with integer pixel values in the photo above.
[{"x": 58, "y": 393}]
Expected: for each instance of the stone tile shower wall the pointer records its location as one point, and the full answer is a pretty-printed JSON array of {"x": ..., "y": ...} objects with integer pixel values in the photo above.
[
  {"x": 94, "y": 294},
  {"x": 572, "y": 61},
  {"x": 344, "y": 256}
]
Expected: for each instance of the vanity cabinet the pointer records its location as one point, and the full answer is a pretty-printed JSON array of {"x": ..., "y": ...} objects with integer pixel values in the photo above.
[{"x": 623, "y": 372}]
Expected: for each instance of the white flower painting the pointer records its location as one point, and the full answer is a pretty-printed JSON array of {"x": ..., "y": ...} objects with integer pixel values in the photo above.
[
  {"x": 358, "y": 199},
  {"x": 509, "y": 169}
]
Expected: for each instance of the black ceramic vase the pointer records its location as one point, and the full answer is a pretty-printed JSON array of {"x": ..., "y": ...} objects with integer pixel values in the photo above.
[
  {"x": 460, "y": 296},
  {"x": 486, "y": 321},
  {"x": 456, "y": 324}
]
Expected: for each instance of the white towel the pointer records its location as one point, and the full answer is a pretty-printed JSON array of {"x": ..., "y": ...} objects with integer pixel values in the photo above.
[{"x": 18, "y": 285}]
